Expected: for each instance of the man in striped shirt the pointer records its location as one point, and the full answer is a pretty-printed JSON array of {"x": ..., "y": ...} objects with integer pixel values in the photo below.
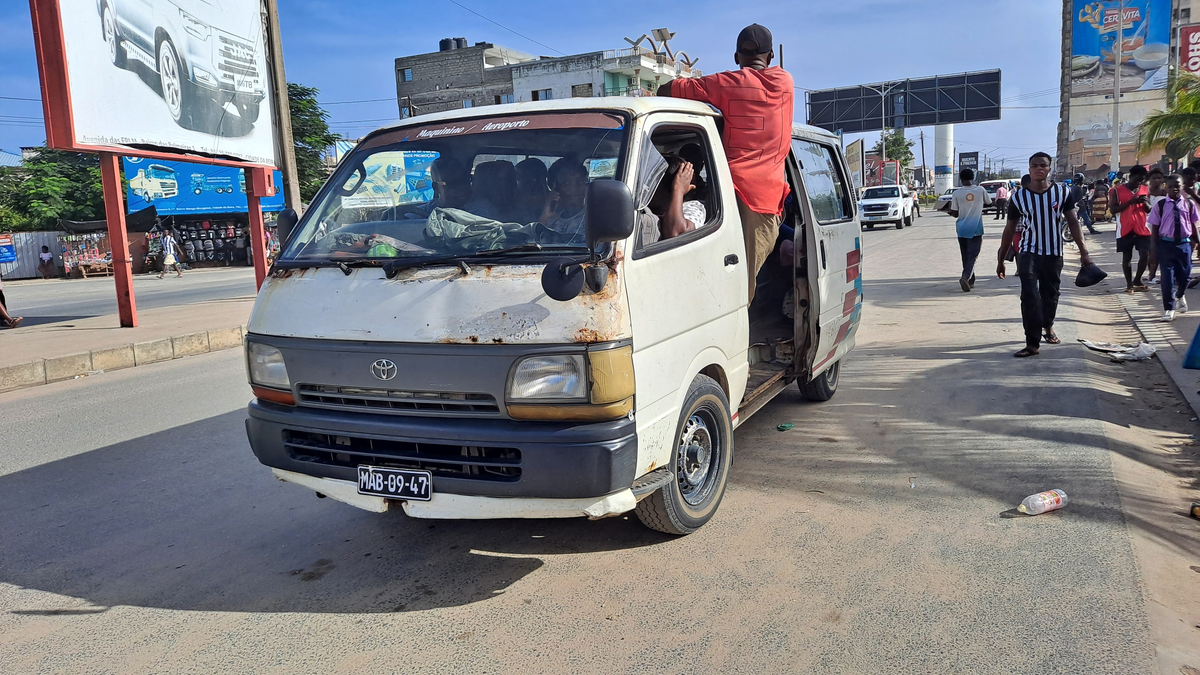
[{"x": 1040, "y": 258}]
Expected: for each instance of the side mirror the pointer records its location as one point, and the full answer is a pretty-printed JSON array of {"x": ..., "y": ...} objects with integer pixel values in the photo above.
[
  {"x": 284, "y": 225},
  {"x": 610, "y": 212}
]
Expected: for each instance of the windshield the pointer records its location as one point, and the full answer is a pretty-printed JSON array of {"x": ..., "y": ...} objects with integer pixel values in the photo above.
[
  {"x": 463, "y": 187},
  {"x": 991, "y": 187},
  {"x": 158, "y": 171},
  {"x": 882, "y": 193}
]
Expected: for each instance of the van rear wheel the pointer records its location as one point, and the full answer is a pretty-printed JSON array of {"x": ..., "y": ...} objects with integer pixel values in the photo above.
[
  {"x": 824, "y": 386},
  {"x": 701, "y": 460}
]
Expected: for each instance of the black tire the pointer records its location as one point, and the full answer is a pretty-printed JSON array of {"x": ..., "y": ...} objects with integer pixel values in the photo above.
[
  {"x": 112, "y": 36},
  {"x": 249, "y": 112},
  {"x": 175, "y": 86},
  {"x": 870, "y": 226},
  {"x": 824, "y": 386},
  {"x": 900, "y": 224},
  {"x": 701, "y": 469}
]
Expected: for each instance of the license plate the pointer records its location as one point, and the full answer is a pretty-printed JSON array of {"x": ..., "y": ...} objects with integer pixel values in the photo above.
[{"x": 411, "y": 484}]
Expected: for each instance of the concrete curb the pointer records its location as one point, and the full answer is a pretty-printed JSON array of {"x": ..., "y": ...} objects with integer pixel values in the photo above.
[{"x": 59, "y": 368}]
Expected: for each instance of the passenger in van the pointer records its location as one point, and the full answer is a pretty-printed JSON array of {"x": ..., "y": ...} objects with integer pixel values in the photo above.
[
  {"x": 494, "y": 191},
  {"x": 757, "y": 102},
  {"x": 531, "y": 189},
  {"x": 674, "y": 209},
  {"x": 563, "y": 211},
  {"x": 693, "y": 154},
  {"x": 451, "y": 184}
]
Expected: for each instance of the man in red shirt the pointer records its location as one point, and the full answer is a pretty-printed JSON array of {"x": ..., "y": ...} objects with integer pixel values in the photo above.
[
  {"x": 756, "y": 101},
  {"x": 1130, "y": 203}
]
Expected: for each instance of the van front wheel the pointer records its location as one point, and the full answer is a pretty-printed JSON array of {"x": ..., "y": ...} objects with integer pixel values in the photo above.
[
  {"x": 824, "y": 386},
  {"x": 701, "y": 460}
]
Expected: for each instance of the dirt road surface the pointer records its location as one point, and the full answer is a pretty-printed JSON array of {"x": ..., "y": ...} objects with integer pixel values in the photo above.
[{"x": 138, "y": 533}]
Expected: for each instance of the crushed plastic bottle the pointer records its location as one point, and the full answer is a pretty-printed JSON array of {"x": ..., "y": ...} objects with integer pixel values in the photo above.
[{"x": 1043, "y": 502}]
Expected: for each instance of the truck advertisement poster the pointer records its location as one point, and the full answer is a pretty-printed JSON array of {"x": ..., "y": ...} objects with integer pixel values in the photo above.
[
  {"x": 189, "y": 75},
  {"x": 1145, "y": 30},
  {"x": 180, "y": 188}
]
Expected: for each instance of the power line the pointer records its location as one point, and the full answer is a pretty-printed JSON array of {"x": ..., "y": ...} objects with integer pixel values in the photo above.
[
  {"x": 18, "y": 98},
  {"x": 462, "y": 6},
  {"x": 365, "y": 100}
]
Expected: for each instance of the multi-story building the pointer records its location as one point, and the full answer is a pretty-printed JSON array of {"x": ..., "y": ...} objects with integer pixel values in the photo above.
[{"x": 461, "y": 76}]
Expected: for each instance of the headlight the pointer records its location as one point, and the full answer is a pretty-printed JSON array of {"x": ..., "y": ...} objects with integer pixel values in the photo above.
[
  {"x": 555, "y": 378},
  {"x": 596, "y": 387},
  {"x": 266, "y": 367},
  {"x": 194, "y": 26}
]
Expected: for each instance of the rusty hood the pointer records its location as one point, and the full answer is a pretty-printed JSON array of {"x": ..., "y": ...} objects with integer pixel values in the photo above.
[{"x": 496, "y": 304}]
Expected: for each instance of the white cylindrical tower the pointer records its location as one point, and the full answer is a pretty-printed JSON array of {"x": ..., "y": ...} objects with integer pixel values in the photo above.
[{"x": 943, "y": 158}]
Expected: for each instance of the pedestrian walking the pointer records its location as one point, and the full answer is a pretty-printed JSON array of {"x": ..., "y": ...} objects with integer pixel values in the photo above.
[
  {"x": 1001, "y": 201},
  {"x": 1040, "y": 259},
  {"x": 46, "y": 263},
  {"x": 916, "y": 201},
  {"x": 966, "y": 205},
  {"x": 8, "y": 320},
  {"x": 1081, "y": 193},
  {"x": 1173, "y": 229},
  {"x": 1130, "y": 204},
  {"x": 171, "y": 251},
  {"x": 757, "y": 104},
  {"x": 1158, "y": 192}
]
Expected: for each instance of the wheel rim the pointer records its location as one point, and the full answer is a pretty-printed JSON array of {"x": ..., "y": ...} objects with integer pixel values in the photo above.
[
  {"x": 168, "y": 75},
  {"x": 831, "y": 375},
  {"x": 110, "y": 35},
  {"x": 699, "y": 463}
]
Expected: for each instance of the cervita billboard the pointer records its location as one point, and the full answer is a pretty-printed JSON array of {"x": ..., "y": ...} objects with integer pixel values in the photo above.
[{"x": 157, "y": 75}]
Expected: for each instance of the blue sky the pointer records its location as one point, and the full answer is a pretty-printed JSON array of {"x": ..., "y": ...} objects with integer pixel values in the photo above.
[{"x": 346, "y": 49}]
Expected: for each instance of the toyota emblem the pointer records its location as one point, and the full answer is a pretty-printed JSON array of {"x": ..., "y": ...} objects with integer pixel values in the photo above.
[{"x": 383, "y": 369}]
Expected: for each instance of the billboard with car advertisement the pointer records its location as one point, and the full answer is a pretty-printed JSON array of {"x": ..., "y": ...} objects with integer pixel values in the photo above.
[
  {"x": 181, "y": 188},
  {"x": 187, "y": 76}
]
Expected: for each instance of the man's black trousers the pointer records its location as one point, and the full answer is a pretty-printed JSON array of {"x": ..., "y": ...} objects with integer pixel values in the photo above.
[{"x": 1040, "y": 279}]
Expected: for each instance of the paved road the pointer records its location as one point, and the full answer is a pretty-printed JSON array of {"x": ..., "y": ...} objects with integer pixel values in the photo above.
[
  {"x": 138, "y": 533},
  {"x": 65, "y": 300}
]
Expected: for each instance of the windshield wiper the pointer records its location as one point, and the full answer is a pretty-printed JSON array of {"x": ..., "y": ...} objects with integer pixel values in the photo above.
[{"x": 392, "y": 267}]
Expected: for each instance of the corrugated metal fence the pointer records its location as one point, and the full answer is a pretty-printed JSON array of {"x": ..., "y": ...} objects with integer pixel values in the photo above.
[{"x": 29, "y": 245}]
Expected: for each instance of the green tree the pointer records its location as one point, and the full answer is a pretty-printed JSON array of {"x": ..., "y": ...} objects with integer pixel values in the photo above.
[
  {"x": 1177, "y": 129},
  {"x": 310, "y": 131},
  {"x": 49, "y": 186},
  {"x": 898, "y": 147}
]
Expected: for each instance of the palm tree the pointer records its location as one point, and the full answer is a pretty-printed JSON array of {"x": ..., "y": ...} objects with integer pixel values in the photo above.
[{"x": 1176, "y": 129}]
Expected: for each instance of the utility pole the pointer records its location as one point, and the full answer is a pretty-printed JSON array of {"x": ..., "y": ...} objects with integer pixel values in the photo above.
[
  {"x": 1115, "y": 160},
  {"x": 283, "y": 114},
  {"x": 924, "y": 171}
]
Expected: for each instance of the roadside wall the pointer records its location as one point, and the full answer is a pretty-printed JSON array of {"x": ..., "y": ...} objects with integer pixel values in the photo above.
[{"x": 29, "y": 245}]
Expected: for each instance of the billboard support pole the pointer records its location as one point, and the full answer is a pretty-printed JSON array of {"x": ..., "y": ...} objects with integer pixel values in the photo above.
[
  {"x": 114, "y": 213},
  {"x": 258, "y": 185},
  {"x": 283, "y": 115},
  {"x": 1118, "y": 57}
]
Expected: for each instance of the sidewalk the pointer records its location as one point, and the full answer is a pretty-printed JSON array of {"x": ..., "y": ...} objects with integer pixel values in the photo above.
[
  {"x": 34, "y": 355},
  {"x": 1145, "y": 310}
]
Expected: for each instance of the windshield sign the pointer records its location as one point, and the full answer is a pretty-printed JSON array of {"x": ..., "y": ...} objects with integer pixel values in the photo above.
[
  {"x": 882, "y": 193},
  {"x": 462, "y": 188}
]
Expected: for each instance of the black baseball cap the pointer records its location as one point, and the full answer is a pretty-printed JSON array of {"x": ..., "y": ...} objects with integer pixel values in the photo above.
[{"x": 756, "y": 34}]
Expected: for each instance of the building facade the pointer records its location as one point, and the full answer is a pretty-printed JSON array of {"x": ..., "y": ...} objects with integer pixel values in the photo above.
[{"x": 484, "y": 74}]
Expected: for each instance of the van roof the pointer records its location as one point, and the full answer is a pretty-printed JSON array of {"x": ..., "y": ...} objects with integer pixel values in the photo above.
[{"x": 635, "y": 105}]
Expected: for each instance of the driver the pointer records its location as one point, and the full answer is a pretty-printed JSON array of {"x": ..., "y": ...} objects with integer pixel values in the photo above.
[{"x": 563, "y": 212}]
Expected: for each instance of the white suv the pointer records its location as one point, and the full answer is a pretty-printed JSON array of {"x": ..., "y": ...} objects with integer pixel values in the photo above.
[{"x": 886, "y": 204}]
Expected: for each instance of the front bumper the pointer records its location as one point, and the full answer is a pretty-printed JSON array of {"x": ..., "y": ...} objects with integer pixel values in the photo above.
[{"x": 551, "y": 460}]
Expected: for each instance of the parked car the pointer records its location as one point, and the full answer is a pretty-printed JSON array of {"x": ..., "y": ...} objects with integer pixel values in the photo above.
[
  {"x": 516, "y": 371},
  {"x": 886, "y": 204},
  {"x": 992, "y": 186},
  {"x": 944, "y": 200},
  {"x": 205, "y": 54}
]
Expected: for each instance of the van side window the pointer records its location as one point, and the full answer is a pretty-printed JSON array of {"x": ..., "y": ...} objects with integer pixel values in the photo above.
[
  {"x": 670, "y": 146},
  {"x": 824, "y": 180}
]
